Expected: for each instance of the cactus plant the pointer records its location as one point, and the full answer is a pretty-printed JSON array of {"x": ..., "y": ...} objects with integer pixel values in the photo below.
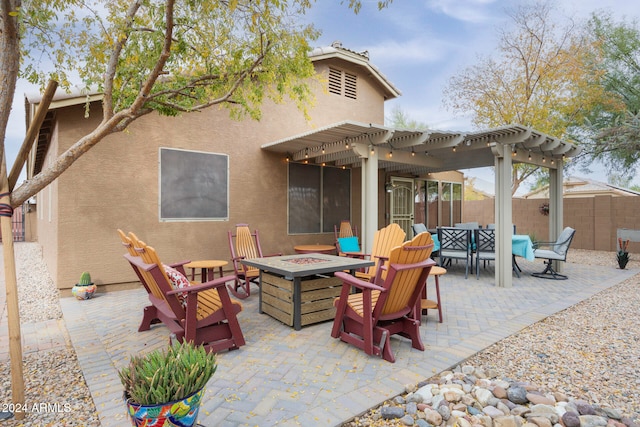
[
  {"x": 85, "y": 279},
  {"x": 85, "y": 288},
  {"x": 167, "y": 375}
]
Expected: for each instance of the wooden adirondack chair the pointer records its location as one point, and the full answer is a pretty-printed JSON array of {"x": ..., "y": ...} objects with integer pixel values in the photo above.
[
  {"x": 244, "y": 245},
  {"x": 384, "y": 240},
  {"x": 388, "y": 306},
  {"x": 200, "y": 313}
]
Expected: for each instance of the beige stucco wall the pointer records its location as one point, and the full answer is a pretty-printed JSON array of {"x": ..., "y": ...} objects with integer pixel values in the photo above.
[{"x": 115, "y": 185}]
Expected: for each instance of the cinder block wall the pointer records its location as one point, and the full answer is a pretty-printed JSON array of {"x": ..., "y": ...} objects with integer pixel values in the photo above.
[{"x": 596, "y": 219}]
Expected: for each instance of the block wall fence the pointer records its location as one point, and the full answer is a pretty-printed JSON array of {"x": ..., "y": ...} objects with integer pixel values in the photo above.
[{"x": 595, "y": 219}]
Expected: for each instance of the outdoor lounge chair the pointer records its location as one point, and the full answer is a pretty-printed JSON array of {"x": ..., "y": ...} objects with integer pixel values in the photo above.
[
  {"x": 390, "y": 305},
  {"x": 199, "y": 313},
  {"x": 557, "y": 252},
  {"x": 244, "y": 245}
]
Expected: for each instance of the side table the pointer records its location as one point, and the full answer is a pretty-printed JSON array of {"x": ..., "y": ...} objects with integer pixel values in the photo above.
[{"x": 207, "y": 267}]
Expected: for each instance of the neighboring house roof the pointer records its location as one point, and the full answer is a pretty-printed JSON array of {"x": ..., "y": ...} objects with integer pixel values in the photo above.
[
  {"x": 360, "y": 59},
  {"x": 582, "y": 187}
]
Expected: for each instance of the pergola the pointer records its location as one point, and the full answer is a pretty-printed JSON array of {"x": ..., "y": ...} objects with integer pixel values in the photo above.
[{"x": 418, "y": 152}]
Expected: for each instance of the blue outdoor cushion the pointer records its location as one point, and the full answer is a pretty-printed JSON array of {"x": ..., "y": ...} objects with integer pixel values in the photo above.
[{"x": 349, "y": 244}]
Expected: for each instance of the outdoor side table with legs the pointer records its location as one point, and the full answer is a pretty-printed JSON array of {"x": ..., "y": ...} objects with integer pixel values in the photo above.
[
  {"x": 207, "y": 268},
  {"x": 427, "y": 304}
]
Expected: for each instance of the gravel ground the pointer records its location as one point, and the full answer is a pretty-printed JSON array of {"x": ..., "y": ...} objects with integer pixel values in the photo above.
[{"x": 590, "y": 351}]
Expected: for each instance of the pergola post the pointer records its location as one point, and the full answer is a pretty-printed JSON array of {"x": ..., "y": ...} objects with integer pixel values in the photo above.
[
  {"x": 503, "y": 216},
  {"x": 370, "y": 200},
  {"x": 556, "y": 207}
]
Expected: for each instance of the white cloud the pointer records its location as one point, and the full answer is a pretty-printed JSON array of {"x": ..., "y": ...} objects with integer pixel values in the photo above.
[{"x": 464, "y": 10}]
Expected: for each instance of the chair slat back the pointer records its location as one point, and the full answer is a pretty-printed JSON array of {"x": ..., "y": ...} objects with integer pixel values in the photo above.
[
  {"x": 149, "y": 256},
  {"x": 404, "y": 285},
  {"x": 245, "y": 243},
  {"x": 454, "y": 239},
  {"x": 147, "y": 279},
  {"x": 384, "y": 241},
  {"x": 345, "y": 229},
  {"x": 485, "y": 240}
]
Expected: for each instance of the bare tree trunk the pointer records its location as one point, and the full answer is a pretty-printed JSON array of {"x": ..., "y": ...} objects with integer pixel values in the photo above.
[{"x": 9, "y": 68}]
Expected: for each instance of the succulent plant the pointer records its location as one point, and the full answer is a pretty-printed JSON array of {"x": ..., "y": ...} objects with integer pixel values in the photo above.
[
  {"x": 168, "y": 374},
  {"x": 85, "y": 279},
  {"x": 623, "y": 259}
]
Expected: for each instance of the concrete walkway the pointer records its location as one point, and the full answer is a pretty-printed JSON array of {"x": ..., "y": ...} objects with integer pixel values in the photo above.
[{"x": 292, "y": 378}]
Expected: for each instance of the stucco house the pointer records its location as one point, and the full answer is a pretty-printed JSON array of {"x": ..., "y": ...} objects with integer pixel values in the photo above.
[
  {"x": 181, "y": 183},
  {"x": 152, "y": 178}
]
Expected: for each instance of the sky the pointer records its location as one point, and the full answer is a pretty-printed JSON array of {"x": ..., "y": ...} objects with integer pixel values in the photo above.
[{"x": 417, "y": 44}]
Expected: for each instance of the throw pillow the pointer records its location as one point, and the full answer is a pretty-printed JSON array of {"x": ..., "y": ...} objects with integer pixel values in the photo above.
[
  {"x": 178, "y": 281},
  {"x": 349, "y": 244}
]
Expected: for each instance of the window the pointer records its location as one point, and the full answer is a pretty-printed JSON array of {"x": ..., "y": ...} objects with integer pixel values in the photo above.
[
  {"x": 343, "y": 83},
  {"x": 194, "y": 185},
  {"x": 319, "y": 198},
  {"x": 429, "y": 201}
]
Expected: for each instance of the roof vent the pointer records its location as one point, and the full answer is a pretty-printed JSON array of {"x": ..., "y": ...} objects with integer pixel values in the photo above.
[{"x": 337, "y": 44}]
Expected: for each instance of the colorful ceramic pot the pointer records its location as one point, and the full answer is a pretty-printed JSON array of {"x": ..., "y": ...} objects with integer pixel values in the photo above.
[
  {"x": 83, "y": 292},
  {"x": 181, "y": 413}
]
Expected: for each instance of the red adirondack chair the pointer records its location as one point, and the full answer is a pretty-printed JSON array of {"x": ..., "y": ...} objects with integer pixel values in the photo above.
[
  {"x": 200, "y": 313},
  {"x": 244, "y": 244}
]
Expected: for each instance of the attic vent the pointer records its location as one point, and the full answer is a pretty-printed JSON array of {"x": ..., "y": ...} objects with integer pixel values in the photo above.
[
  {"x": 343, "y": 83},
  {"x": 350, "y": 85},
  {"x": 335, "y": 81}
]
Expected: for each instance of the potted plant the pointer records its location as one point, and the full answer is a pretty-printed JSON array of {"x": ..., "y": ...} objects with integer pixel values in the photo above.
[
  {"x": 622, "y": 255},
  {"x": 165, "y": 387},
  {"x": 85, "y": 288}
]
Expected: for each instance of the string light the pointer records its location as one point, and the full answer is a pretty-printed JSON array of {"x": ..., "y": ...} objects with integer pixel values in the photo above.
[
  {"x": 323, "y": 149},
  {"x": 413, "y": 153},
  {"x": 454, "y": 149},
  {"x": 390, "y": 154},
  {"x": 529, "y": 154},
  {"x": 373, "y": 151},
  {"x": 306, "y": 153}
]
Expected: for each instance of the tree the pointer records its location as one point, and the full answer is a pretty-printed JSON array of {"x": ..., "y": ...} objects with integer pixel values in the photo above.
[
  {"x": 613, "y": 132},
  {"x": 400, "y": 119},
  {"x": 541, "y": 77}
]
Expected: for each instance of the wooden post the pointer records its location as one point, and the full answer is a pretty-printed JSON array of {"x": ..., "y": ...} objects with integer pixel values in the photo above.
[
  {"x": 13, "y": 312},
  {"x": 11, "y": 282}
]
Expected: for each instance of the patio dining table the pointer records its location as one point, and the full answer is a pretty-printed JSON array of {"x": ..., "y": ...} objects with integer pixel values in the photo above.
[{"x": 522, "y": 246}]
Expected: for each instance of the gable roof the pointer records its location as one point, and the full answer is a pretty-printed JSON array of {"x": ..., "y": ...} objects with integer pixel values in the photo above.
[
  {"x": 359, "y": 59},
  {"x": 574, "y": 186}
]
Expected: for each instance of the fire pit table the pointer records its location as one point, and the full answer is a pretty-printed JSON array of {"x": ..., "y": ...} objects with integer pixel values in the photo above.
[{"x": 299, "y": 290}]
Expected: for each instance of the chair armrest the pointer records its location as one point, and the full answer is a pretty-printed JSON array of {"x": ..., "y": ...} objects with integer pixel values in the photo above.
[
  {"x": 537, "y": 245},
  {"x": 360, "y": 255},
  {"x": 211, "y": 284},
  {"x": 178, "y": 264},
  {"x": 270, "y": 255},
  {"x": 349, "y": 280}
]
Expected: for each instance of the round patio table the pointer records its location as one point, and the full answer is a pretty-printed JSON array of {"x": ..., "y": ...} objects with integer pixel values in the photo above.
[
  {"x": 207, "y": 267},
  {"x": 317, "y": 249}
]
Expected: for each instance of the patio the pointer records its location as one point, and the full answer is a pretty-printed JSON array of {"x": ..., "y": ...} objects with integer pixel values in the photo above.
[{"x": 287, "y": 377}]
